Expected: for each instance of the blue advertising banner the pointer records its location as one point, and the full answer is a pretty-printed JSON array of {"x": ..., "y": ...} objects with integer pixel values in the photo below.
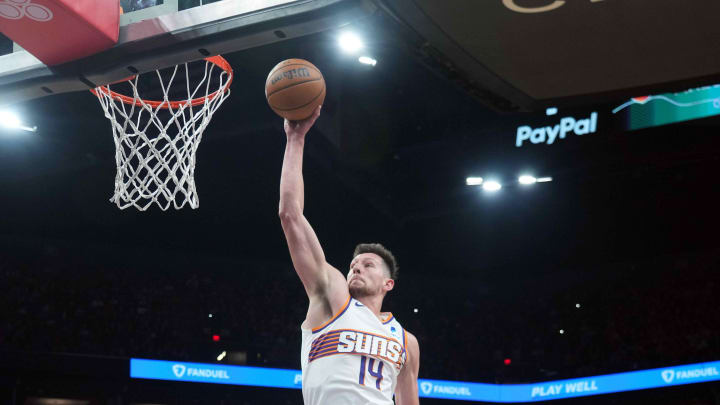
[
  {"x": 457, "y": 390},
  {"x": 215, "y": 374}
]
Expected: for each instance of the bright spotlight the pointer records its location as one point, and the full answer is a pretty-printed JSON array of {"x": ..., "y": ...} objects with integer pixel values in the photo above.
[
  {"x": 350, "y": 42},
  {"x": 551, "y": 111},
  {"x": 474, "y": 181},
  {"x": 544, "y": 179},
  {"x": 527, "y": 180},
  {"x": 366, "y": 60},
  {"x": 221, "y": 355},
  {"x": 491, "y": 186},
  {"x": 9, "y": 120}
]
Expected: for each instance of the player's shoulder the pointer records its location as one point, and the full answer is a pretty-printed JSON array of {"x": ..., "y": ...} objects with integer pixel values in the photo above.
[
  {"x": 411, "y": 339},
  {"x": 412, "y": 348}
]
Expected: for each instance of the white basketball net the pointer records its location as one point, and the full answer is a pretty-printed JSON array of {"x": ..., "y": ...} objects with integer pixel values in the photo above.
[{"x": 156, "y": 143}]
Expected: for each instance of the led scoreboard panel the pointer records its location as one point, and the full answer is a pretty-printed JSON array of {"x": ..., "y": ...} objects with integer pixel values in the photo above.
[{"x": 669, "y": 108}]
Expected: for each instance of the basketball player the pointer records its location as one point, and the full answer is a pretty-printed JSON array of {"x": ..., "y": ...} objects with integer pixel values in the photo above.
[{"x": 352, "y": 354}]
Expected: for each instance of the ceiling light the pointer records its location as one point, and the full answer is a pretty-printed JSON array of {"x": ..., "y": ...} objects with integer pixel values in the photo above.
[
  {"x": 491, "y": 186},
  {"x": 9, "y": 120},
  {"x": 366, "y": 60},
  {"x": 525, "y": 179},
  {"x": 473, "y": 181},
  {"x": 350, "y": 42}
]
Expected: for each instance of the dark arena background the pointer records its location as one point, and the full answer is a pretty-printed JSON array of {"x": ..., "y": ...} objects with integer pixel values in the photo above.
[{"x": 546, "y": 173}]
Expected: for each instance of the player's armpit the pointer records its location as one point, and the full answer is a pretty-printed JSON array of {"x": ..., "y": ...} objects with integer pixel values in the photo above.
[
  {"x": 406, "y": 392},
  {"x": 325, "y": 286},
  {"x": 325, "y": 308}
]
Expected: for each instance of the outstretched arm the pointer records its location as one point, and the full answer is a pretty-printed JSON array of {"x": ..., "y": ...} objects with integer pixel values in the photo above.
[
  {"x": 323, "y": 283},
  {"x": 406, "y": 392}
]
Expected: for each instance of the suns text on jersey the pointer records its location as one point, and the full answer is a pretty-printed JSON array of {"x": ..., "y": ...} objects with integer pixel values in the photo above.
[{"x": 365, "y": 343}]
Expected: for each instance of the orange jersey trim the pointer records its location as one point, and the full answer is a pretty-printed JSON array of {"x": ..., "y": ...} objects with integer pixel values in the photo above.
[
  {"x": 389, "y": 318},
  {"x": 342, "y": 311}
]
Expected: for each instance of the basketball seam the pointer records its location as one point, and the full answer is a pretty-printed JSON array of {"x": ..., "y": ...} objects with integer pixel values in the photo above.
[
  {"x": 293, "y": 85},
  {"x": 301, "y": 106}
]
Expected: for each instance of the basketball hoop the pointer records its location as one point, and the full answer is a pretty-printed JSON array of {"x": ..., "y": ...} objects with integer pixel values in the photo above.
[{"x": 156, "y": 141}]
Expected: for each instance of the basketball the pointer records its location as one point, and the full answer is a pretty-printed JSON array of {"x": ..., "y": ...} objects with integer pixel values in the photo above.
[{"x": 294, "y": 88}]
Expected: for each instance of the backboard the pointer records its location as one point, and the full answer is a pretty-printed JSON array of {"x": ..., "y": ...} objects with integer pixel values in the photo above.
[{"x": 156, "y": 34}]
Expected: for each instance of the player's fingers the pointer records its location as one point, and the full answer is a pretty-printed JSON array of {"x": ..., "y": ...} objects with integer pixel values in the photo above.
[
  {"x": 311, "y": 120},
  {"x": 307, "y": 123}
]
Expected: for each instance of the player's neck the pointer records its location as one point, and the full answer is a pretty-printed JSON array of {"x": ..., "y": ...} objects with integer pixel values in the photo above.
[{"x": 373, "y": 303}]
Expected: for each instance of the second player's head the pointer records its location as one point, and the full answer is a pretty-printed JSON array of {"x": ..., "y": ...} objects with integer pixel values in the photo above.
[{"x": 373, "y": 271}]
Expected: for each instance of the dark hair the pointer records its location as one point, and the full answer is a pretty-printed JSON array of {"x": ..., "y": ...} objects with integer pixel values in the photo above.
[{"x": 381, "y": 251}]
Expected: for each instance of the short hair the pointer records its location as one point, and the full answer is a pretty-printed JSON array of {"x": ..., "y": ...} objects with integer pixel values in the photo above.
[{"x": 383, "y": 252}]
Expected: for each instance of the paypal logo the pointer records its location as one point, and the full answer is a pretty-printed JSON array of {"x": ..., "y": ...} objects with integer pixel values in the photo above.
[{"x": 549, "y": 134}]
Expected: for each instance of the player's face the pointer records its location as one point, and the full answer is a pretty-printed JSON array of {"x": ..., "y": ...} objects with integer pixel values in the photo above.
[{"x": 368, "y": 276}]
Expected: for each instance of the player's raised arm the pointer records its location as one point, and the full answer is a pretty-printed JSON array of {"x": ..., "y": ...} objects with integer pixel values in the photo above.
[{"x": 307, "y": 255}]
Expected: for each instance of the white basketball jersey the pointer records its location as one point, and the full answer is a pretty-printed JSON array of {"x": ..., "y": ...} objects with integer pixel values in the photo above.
[{"x": 353, "y": 359}]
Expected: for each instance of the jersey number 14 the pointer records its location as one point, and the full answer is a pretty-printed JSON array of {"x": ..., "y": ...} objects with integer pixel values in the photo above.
[{"x": 368, "y": 364}]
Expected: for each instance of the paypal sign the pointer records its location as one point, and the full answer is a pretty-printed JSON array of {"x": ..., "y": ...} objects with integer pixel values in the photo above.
[
  {"x": 550, "y": 133},
  {"x": 458, "y": 390}
]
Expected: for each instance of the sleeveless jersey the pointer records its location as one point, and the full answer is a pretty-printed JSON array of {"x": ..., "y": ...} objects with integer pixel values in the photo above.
[{"x": 353, "y": 359}]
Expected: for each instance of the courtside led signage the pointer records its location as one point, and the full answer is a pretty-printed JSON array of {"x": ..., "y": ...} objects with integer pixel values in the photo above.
[{"x": 441, "y": 389}]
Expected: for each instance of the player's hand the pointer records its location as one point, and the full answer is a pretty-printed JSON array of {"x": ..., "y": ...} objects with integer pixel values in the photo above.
[{"x": 298, "y": 129}]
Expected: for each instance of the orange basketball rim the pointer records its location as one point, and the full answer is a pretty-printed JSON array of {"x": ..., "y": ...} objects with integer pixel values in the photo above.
[{"x": 218, "y": 61}]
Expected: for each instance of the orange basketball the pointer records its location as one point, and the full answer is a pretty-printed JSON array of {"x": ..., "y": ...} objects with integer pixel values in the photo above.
[{"x": 294, "y": 88}]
